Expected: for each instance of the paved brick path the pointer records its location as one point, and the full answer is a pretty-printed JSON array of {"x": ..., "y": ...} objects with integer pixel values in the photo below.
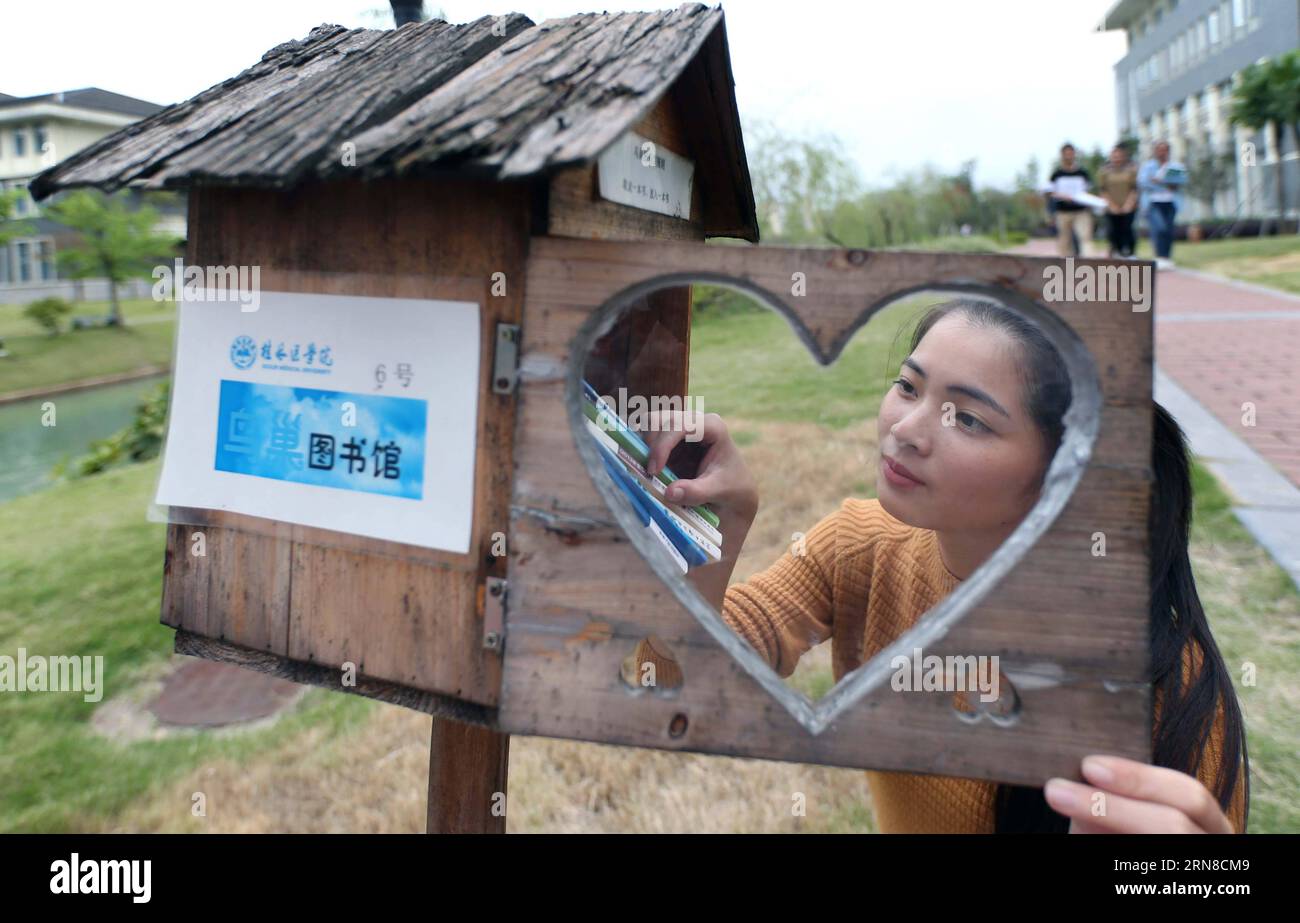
[{"x": 1228, "y": 344}]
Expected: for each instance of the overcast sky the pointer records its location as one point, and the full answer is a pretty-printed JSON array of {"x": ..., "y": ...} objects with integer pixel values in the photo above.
[{"x": 901, "y": 83}]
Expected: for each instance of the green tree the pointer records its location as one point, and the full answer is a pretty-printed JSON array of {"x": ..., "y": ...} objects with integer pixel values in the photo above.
[
  {"x": 1209, "y": 172},
  {"x": 1093, "y": 162},
  {"x": 117, "y": 242},
  {"x": 801, "y": 186},
  {"x": 10, "y": 227},
  {"x": 1268, "y": 98}
]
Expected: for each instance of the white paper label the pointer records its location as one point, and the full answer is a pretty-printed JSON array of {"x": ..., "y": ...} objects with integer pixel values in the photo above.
[
  {"x": 349, "y": 413},
  {"x": 638, "y": 172}
]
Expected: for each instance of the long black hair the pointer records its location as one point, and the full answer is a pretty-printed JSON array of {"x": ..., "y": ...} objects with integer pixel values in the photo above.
[{"x": 1187, "y": 713}]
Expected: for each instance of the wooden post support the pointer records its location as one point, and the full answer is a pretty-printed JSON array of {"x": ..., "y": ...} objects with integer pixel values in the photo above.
[{"x": 468, "y": 765}]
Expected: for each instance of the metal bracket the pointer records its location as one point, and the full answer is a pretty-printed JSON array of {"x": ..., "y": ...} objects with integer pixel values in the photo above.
[
  {"x": 494, "y": 615},
  {"x": 505, "y": 361}
]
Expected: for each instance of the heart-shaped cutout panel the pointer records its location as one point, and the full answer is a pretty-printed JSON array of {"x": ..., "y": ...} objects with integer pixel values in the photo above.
[{"x": 827, "y": 522}]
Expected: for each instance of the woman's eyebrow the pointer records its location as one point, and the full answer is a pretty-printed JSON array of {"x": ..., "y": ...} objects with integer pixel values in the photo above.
[{"x": 973, "y": 393}]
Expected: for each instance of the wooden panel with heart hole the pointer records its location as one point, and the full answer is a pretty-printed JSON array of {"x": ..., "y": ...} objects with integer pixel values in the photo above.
[{"x": 586, "y": 587}]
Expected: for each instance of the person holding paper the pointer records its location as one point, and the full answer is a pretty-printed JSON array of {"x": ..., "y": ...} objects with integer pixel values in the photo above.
[
  {"x": 1160, "y": 182},
  {"x": 1070, "y": 180},
  {"x": 1118, "y": 186}
]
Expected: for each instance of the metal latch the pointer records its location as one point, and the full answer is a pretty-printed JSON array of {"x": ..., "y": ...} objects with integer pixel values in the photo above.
[
  {"x": 494, "y": 615},
  {"x": 505, "y": 362}
]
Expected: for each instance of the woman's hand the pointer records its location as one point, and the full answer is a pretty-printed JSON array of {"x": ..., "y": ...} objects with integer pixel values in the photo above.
[
  {"x": 1137, "y": 798},
  {"x": 723, "y": 479}
]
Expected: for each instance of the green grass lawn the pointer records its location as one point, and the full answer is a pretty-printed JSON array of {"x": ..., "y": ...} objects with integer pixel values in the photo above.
[
  {"x": 750, "y": 362},
  {"x": 14, "y": 324},
  {"x": 1271, "y": 261},
  {"x": 83, "y": 575},
  {"x": 37, "y": 360},
  {"x": 82, "y": 572}
]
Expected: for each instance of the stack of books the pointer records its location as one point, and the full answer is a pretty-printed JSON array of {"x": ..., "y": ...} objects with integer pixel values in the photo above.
[{"x": 689, "y": 533}]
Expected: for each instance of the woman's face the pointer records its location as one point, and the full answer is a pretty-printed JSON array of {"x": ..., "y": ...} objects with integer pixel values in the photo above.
[{"x": 981, "y": 465}]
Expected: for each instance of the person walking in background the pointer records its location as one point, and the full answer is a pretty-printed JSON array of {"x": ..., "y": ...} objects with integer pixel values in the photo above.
[
  {"x": 1068, "y": 180},
  {"x": 1117, "y": 184},
  {"x": 1160, "y": 183}
]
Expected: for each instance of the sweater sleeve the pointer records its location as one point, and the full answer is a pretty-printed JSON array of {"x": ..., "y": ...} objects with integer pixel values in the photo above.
[
  {"x": 1212, "y": 757},
  {"x": 786, "y": 609}
]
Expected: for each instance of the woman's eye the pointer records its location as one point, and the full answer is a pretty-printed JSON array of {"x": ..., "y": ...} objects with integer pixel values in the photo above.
[
  {"x": 973, "y": 421},
  {"x": 905, "y": 384}
]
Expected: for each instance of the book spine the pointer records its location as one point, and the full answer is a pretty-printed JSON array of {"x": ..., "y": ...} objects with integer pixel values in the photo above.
[
  {"x": 693, "y": 553},
  {"x": 687, "y": 514},
  {"x": 643, "y": 514},
  {"x": 708, "y": 547},
  {"x": 610, "y": 423},
  {"x": 664, "y": 540}
]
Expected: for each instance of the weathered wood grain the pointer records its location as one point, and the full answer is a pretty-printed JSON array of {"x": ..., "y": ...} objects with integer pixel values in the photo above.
[
  {"x": 582, "y": 597},
  {"x": 404, "y": 615},
  {"x": 499, "y": 98}
]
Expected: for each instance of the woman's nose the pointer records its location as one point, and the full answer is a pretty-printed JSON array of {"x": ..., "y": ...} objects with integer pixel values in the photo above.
[{"x": 910, "y": 429}]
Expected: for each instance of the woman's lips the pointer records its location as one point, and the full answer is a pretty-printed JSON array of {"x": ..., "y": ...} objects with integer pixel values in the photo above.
[{"x": 897, "y": 475}]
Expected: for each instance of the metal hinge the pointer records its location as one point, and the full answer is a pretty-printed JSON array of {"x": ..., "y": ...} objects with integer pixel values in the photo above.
[
  {"x": 494, "y": 615},
  {"x": 505, "y": 361}
]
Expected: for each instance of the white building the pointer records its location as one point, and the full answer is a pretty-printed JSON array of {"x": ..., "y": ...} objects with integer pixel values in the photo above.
[
  {"x": 37, "y": 132},
  {"x": 1175, "y": 82}
]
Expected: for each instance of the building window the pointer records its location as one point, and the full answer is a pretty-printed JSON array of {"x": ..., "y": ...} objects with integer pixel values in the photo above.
[
  {"x": 24, "y": 261},
  {"x": 1238, "y": 13},
  {"x": 23, "y": 203},
  {"x": 1212, "y": 22},
  {"x": 45, "y": 259},
  {"x": 33, "y": 260},
  {"x": 20, "y": 142},
  {"x": 39, "y": 139}
]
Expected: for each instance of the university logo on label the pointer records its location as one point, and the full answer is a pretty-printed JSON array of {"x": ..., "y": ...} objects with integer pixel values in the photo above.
[{"x": 243, "y": 352}]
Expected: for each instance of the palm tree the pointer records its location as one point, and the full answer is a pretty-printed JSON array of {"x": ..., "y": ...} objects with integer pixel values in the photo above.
[{"x": 1268, "y": 97}]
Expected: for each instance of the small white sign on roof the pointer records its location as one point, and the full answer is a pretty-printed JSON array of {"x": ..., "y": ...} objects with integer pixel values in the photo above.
[{"x": 639, "y": 172}]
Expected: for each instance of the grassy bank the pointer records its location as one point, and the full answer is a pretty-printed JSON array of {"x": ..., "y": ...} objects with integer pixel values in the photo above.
[
  {"x": 37, "y": 360},
  {"x": 82, "y": 576},
  {"x": 1271, "y": 261},
  {"x": 83, "y": 570}
]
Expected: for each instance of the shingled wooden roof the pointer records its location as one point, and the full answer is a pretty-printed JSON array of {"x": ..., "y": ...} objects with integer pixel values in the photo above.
[{"x": 435, "y": 97}]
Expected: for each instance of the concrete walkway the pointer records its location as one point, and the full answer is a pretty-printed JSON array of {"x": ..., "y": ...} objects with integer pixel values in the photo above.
[{"x": 1224, "y": 349}]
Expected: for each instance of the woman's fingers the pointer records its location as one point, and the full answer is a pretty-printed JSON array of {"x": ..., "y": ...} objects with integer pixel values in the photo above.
[
  {"x": 1137, "y": 798},
  {"x": 1111, "y": 813},
  {"x": 667, "y": 429},
  {"x": 696, "y": 491}
]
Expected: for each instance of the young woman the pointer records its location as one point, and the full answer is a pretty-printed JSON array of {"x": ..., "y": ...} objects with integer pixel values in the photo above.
[
  {"x": 1117, "y": 184},
  {"x": 966, "y": 433}
]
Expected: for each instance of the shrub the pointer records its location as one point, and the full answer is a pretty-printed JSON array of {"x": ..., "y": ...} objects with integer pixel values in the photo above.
[
  {"x": 48, "y": 312},
  {"x": 140, "y": 441}
]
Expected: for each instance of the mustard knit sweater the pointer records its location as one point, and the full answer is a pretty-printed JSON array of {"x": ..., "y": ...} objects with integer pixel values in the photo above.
[{"x": 864, "y": 578}]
